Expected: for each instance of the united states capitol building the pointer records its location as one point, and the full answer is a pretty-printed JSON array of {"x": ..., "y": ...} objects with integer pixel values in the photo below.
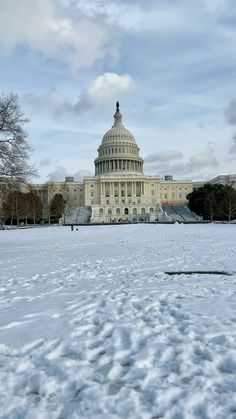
[{"x": 119, "y": 191}]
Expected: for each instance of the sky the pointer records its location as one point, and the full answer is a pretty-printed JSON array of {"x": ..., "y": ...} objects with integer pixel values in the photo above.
[{"x": 170, "y": 63}]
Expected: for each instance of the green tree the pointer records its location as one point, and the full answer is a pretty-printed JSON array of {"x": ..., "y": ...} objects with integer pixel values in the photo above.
[
  {"x": 57, "y": 207},
  {"x": 207, "y": 201}
]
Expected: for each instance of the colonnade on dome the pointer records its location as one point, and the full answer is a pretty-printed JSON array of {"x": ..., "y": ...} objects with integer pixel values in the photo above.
[{"x": 118, "y": 165}]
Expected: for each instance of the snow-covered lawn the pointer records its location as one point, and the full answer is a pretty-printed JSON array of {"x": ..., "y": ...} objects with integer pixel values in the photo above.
[{"x": 92, "y": 327}]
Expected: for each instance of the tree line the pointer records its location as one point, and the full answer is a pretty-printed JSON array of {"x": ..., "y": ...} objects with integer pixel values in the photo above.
[
  {"x": 26, "y": 208},
  {"x": 213, "y": 202}
]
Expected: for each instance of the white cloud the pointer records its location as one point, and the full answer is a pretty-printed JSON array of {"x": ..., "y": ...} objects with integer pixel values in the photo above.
[
  {"x": 107, "y": 87},
  {"x": 44, "y": 26},
  {"x": 104, "y": 90},
  {"x": 131, "y": 16}
]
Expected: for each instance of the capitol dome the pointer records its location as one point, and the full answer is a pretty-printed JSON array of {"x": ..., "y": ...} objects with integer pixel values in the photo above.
[
  {"x": 118, "y": 151},
  {"x": 118, "y": 132}
]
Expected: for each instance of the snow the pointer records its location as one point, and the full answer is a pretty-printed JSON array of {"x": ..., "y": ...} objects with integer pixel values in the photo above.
[{"x": 91, "y": 326}]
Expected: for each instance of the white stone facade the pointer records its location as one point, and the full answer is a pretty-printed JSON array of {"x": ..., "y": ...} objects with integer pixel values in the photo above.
[
  {"x": 119, "y": 190},
  {"x": 229, "y": 180}
]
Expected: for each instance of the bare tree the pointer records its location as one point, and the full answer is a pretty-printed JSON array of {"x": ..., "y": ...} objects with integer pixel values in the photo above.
[
  {"x": 57, "y": 207},
  {"x": 210, "y": 205},
  {"x": 228, "y": 204},
  {"x": 14, "y": 148},
  {"x": 33, "y": 206},
  {"x": 14, "y": 207}
]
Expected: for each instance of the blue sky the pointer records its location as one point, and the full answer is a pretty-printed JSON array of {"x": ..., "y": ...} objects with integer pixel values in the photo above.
[{"x": 170, "y": 63}]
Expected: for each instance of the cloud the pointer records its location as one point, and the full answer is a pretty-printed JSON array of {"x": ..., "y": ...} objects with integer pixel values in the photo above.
[
  {"x": 47, "y": 27},
  {"x": 163, "y": 17},
  {"x": 230, "y": 115},
  {"x": 45, "y": 162},
  {"x": 80, "y": 174},
  {"x": 107, "y": 87},
  {"x": 233, "y": 147},
  {"x": 230, "y": 112},
  {"x": 204, "y": 159},
  {"x": 102, "y": 91},
  {"x": 50, "y": 102},
  {"x": 164, "y": 156},
  {"x": 196, "y": 163},
  {"x": 59, "y": 174},
  {"x": 132, "y": 16}
]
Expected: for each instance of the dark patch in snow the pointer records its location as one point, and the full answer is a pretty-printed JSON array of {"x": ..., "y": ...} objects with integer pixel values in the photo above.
[{"x": 199, "y": 272}]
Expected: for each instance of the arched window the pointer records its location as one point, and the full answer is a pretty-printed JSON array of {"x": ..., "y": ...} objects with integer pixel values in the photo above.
[
  {"x": 117, "y": 211},
  {"x": 109, "y": 211},
  {"x": 151, "y": 209},
  {"x": 142, "y": 210},
  {"x": 126, "y": 211},
  {"x": 135, "y": 211},
  {"x": 101, "y": 211}
]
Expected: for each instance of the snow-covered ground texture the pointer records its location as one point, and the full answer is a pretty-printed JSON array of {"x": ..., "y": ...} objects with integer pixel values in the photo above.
[{"x": 91, "y": 326}]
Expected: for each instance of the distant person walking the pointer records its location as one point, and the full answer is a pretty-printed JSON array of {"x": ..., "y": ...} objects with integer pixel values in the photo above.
[{"x": 72, "y": 227}]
